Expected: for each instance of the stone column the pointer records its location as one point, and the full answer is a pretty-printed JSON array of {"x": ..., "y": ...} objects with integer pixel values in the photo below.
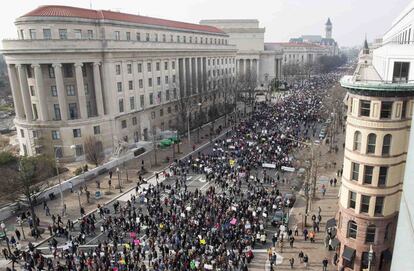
[
  {"x": 81, "y": 90},
  {"x": 98, "y": 88},
  {"x": 41, "y": 94},
  {"x": 24, "y": 87},
  {"x": 244, "y": 67},
  {"x": 196, "y": 75},
  {"x": 15, "y": 88},
  {"x": 61, "y": 91},
  {"x": 257, "y": 70}
]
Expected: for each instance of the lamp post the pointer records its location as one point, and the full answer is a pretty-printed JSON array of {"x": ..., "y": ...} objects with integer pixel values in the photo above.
[
  {"x": 119, "y": 180},
  {"x": 57, "y": 172},
  {"x": 370, "y": 257},
  {"x": 3, "y": 228}
]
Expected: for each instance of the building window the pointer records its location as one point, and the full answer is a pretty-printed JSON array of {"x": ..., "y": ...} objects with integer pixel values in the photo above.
[
  {"x": 365, "y": 108},
  {"x": 382, "y": 177},
  {"x": 53, "y": 91},
  {"x": 147, "y": 36},
  {"x": 47, "y": 34},
  {"x": 96, "y": 130},
  {"x": 166, "y": 79},
  {"x": 117, "y": 69},
  {"x": 365, "y": 204},
  {"x": 86, "y": 89},
  {"x": 128, "y": 35},
  {"x": 357, "y": 141},
  {"x": 167, "y": 95},
  {"x": 151, "y": 98},
  {"x": 78, "y": 34},
  {"x": 387, "y": 231},
  {"x": 370, "y": 236},
  {"x": 165, "y": 65},
  {"x": 175, "y": 93},
  {"x": 401, "y": 70},
  {"x": 55, "y": 135},
  {"x": 123, "y": 124},
  {"x": 379, "y": 203},
  {"x": 161, "y": 112},
  {"x": 90, "y": 34},
  {"x": 134, "y": 121},
  {"x": 117, "y": 35},
  {"x": 352, "y": 200},
  {"x": 129, "y": 68},
  {"x": 159, "y": 97},
  {"x": 132, "y": 103},
  {"x": 67, "y": 70},
  {"x": 73, "y": 111},
  {"x": 173, "y": 65},
  {"x": 164, "y": 38},
  {"x": 404, "y": 110},
  {"x": 32, "y": 91},
  {"x": 21, "y": 133},
  {"x": 56, "y": 110},
  {"x": 368, "y": 171},
  {"x": 149, "y": 66},
  {"x": 386, "y": 144},
  {"x": 158, "y": 81},
  {"x": 121, "y": 105},
  {"x": 130, "y": 85},
  {"x": 51, "y": 71},
  {"x": 157, "y": 66},
  {"x": 355, "y": 171},
  {"x": 352, "y": 229},
  {"x": 138, "y": 36},
  {"x": 153, "y": 115},
  {"x": 141, "y": 83},
  {"x": 119, "y": 86},
  {"x": 76, "y": 133},
  {"x": 70, "y": 90},
  {"x": 150, "y": 82},
  {"x": 142, "y": 101},
  {"x": 173, "y": 78},
  {"x": 386, "y": 110},
  {"x": 78, "y": 150},
  {"x": 169, "y": 110},
  {"x": 63, "y": 34},
  {"x": 372, "y": 139}
]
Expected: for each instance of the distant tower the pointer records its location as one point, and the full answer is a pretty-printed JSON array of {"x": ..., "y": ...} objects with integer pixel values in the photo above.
[
  {"x": 328, "y": 29},
  {"x": 365, "y": 50}
]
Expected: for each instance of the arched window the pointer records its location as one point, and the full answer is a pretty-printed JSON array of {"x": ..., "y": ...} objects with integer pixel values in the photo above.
[
  {"x": 357, "y": 141},
  {"x": 352, "y": 229},
  {"x": 370, "y": 235},
  {"x": 387, "y": 231},
  {"x": 386, "y": 144},
  {"x": 372, "y": 138}
]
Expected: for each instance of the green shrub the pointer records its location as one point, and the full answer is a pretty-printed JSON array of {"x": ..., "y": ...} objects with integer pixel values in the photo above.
[{"x": 7, "y": 158}]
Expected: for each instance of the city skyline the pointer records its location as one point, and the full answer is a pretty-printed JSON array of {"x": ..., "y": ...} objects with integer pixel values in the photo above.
[{"x": 313, "y": 15}]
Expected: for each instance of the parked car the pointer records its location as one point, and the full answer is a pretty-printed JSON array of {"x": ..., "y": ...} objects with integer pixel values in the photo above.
[
  {"x": 278, "y": 218},
  {"x": 289, "y": 199}
]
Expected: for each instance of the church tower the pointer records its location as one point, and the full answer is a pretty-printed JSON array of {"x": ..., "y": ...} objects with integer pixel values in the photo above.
[{"x": 328, "y": 29}]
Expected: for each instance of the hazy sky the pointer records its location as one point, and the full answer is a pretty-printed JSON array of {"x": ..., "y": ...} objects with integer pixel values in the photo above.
[{"x": 282, "y": 18}]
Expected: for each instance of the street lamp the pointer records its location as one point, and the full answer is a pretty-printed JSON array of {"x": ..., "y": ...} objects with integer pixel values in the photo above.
[
  {"x": 57, "y": 172},
  {"x": 119, "y": 180},
  {"x": 370, "y": 257},
  {"x": 3, "y": 227}
]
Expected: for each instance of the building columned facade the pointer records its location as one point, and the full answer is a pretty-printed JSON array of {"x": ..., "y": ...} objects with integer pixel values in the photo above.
[
  {"x": 76, "y": 72},
  {"x": 254, "y": 60},
  {"x": 380, "y": 103}
]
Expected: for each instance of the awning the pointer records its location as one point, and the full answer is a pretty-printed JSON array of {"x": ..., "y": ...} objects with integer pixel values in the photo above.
[
  {"x": 330, "y": 223},
  {"x": 348, "y": 254},
  {"x": 387, "y": 256},
  {"x": 334, "y": 243}
]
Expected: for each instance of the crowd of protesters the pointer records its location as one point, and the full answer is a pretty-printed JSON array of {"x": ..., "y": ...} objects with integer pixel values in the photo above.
[{"x": 171, "y": 227}]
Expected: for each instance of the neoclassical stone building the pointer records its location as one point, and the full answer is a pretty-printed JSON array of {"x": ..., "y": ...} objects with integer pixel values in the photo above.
[
  {"x": 76, "y": 72},
  {"x": 380, "y": 104}
]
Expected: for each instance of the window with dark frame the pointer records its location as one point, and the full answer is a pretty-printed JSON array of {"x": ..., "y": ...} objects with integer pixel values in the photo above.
[
  {"x": 368, "y": 172},
  {"x": 386, "y": 110},
  {"x": 365, "y": 204},
  {"x": 400, "y": 73},
  {"x": 365, "y": 108},
  {"x": 382, "y": 177}
]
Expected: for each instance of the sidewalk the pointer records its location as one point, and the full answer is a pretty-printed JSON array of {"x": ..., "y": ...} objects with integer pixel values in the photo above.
[{"x": 128, "y": 177}]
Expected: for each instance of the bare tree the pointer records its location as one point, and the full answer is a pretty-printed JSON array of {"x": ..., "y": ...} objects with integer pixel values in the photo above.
[{"x": 93, "y": 150}]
